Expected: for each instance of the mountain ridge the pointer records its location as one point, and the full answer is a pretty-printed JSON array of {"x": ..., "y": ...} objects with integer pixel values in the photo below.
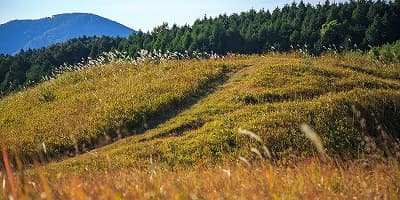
[{"x": 36, "y": 33}]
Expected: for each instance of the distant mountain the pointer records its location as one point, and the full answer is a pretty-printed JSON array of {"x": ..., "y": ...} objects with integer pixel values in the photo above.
[{"x": 24, "y": 34}]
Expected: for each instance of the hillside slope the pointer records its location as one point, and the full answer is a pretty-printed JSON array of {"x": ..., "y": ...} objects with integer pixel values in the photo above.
[
  {"x": 189, "y": 112},
  {"x": 174, "y": 130},
  {"x": 270, "y": 96},
  {"x": 25, "y": 34},
  {"x": 99, "y": 104}
]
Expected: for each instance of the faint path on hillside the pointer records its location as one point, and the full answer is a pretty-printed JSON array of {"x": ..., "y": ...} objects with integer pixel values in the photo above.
[{"x": 170, "y": 111}]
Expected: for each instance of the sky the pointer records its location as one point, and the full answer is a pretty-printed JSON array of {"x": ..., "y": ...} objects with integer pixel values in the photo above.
[{"x": 137, "y": 14}]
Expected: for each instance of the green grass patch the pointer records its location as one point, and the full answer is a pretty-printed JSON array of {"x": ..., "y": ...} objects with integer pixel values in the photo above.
[
  {"x": 116, "y": 100},
  {"x": 270, "y": 96}
]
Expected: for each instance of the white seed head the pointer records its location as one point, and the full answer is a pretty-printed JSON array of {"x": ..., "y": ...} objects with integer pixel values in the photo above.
[
  {"x": 44, "y": 148},
  {"x": 244, "y": 160},
  {"x": 250, "y": 134},
  {"x": 314, "y": 137}
]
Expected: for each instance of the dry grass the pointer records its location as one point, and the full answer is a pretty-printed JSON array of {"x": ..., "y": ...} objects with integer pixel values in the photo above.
[
  {"x": 303, "y": 180},
  {"x": 350, "y": 104}
]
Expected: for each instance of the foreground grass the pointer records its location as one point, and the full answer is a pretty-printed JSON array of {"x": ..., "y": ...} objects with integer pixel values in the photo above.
[{"x": 309, "y": 179}]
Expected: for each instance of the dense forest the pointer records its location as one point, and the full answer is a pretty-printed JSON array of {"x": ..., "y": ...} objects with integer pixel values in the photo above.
[
  {"x": 329, "y": 26},
  {"x": 342, "y": 26}
]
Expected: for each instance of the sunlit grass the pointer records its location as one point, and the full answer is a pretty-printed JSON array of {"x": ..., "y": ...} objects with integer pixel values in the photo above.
[
  {"x": 301, "y": 180},
  {"x": 271, "y": 96},
  {"x": 81, "y": 106},
  {"x": 351, "y": 105}
]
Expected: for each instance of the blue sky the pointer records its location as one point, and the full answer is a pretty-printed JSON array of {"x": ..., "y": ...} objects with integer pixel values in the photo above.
[{"x": 136, "y": 14}]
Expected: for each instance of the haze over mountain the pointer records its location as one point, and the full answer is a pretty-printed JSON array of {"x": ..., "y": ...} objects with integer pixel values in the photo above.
[{"x": 25, "y": 34}]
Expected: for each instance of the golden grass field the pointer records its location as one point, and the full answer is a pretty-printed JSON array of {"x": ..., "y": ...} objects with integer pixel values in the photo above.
[{"x": 174, "y": 130}]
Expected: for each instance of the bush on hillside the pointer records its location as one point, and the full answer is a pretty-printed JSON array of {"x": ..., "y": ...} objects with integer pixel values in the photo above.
[{"x": 388, "y": 53}]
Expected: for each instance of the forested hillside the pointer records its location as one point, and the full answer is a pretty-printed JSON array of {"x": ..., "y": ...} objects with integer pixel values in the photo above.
[{"x": 354, "y": 25}]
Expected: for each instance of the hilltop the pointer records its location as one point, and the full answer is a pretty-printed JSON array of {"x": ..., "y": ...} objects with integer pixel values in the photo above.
[
  {"x": 345, "y": 26},
  {"x": 25, "y": 34},
  {"x": 203, "y": 103}
]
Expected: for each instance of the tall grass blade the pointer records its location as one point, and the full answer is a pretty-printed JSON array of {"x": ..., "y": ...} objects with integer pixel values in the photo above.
[
  {"x": 7, "y": 166},
  {"x": 314, "y": 138}
]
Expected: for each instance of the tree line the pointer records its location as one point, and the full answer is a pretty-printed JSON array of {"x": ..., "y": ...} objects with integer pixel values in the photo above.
[
  {"x": 345, "y": 26},
  {"x": 341, "y": 26}
]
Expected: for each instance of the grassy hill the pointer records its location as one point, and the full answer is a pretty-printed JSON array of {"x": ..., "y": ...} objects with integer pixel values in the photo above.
[{"x": 188, "y": 114}]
